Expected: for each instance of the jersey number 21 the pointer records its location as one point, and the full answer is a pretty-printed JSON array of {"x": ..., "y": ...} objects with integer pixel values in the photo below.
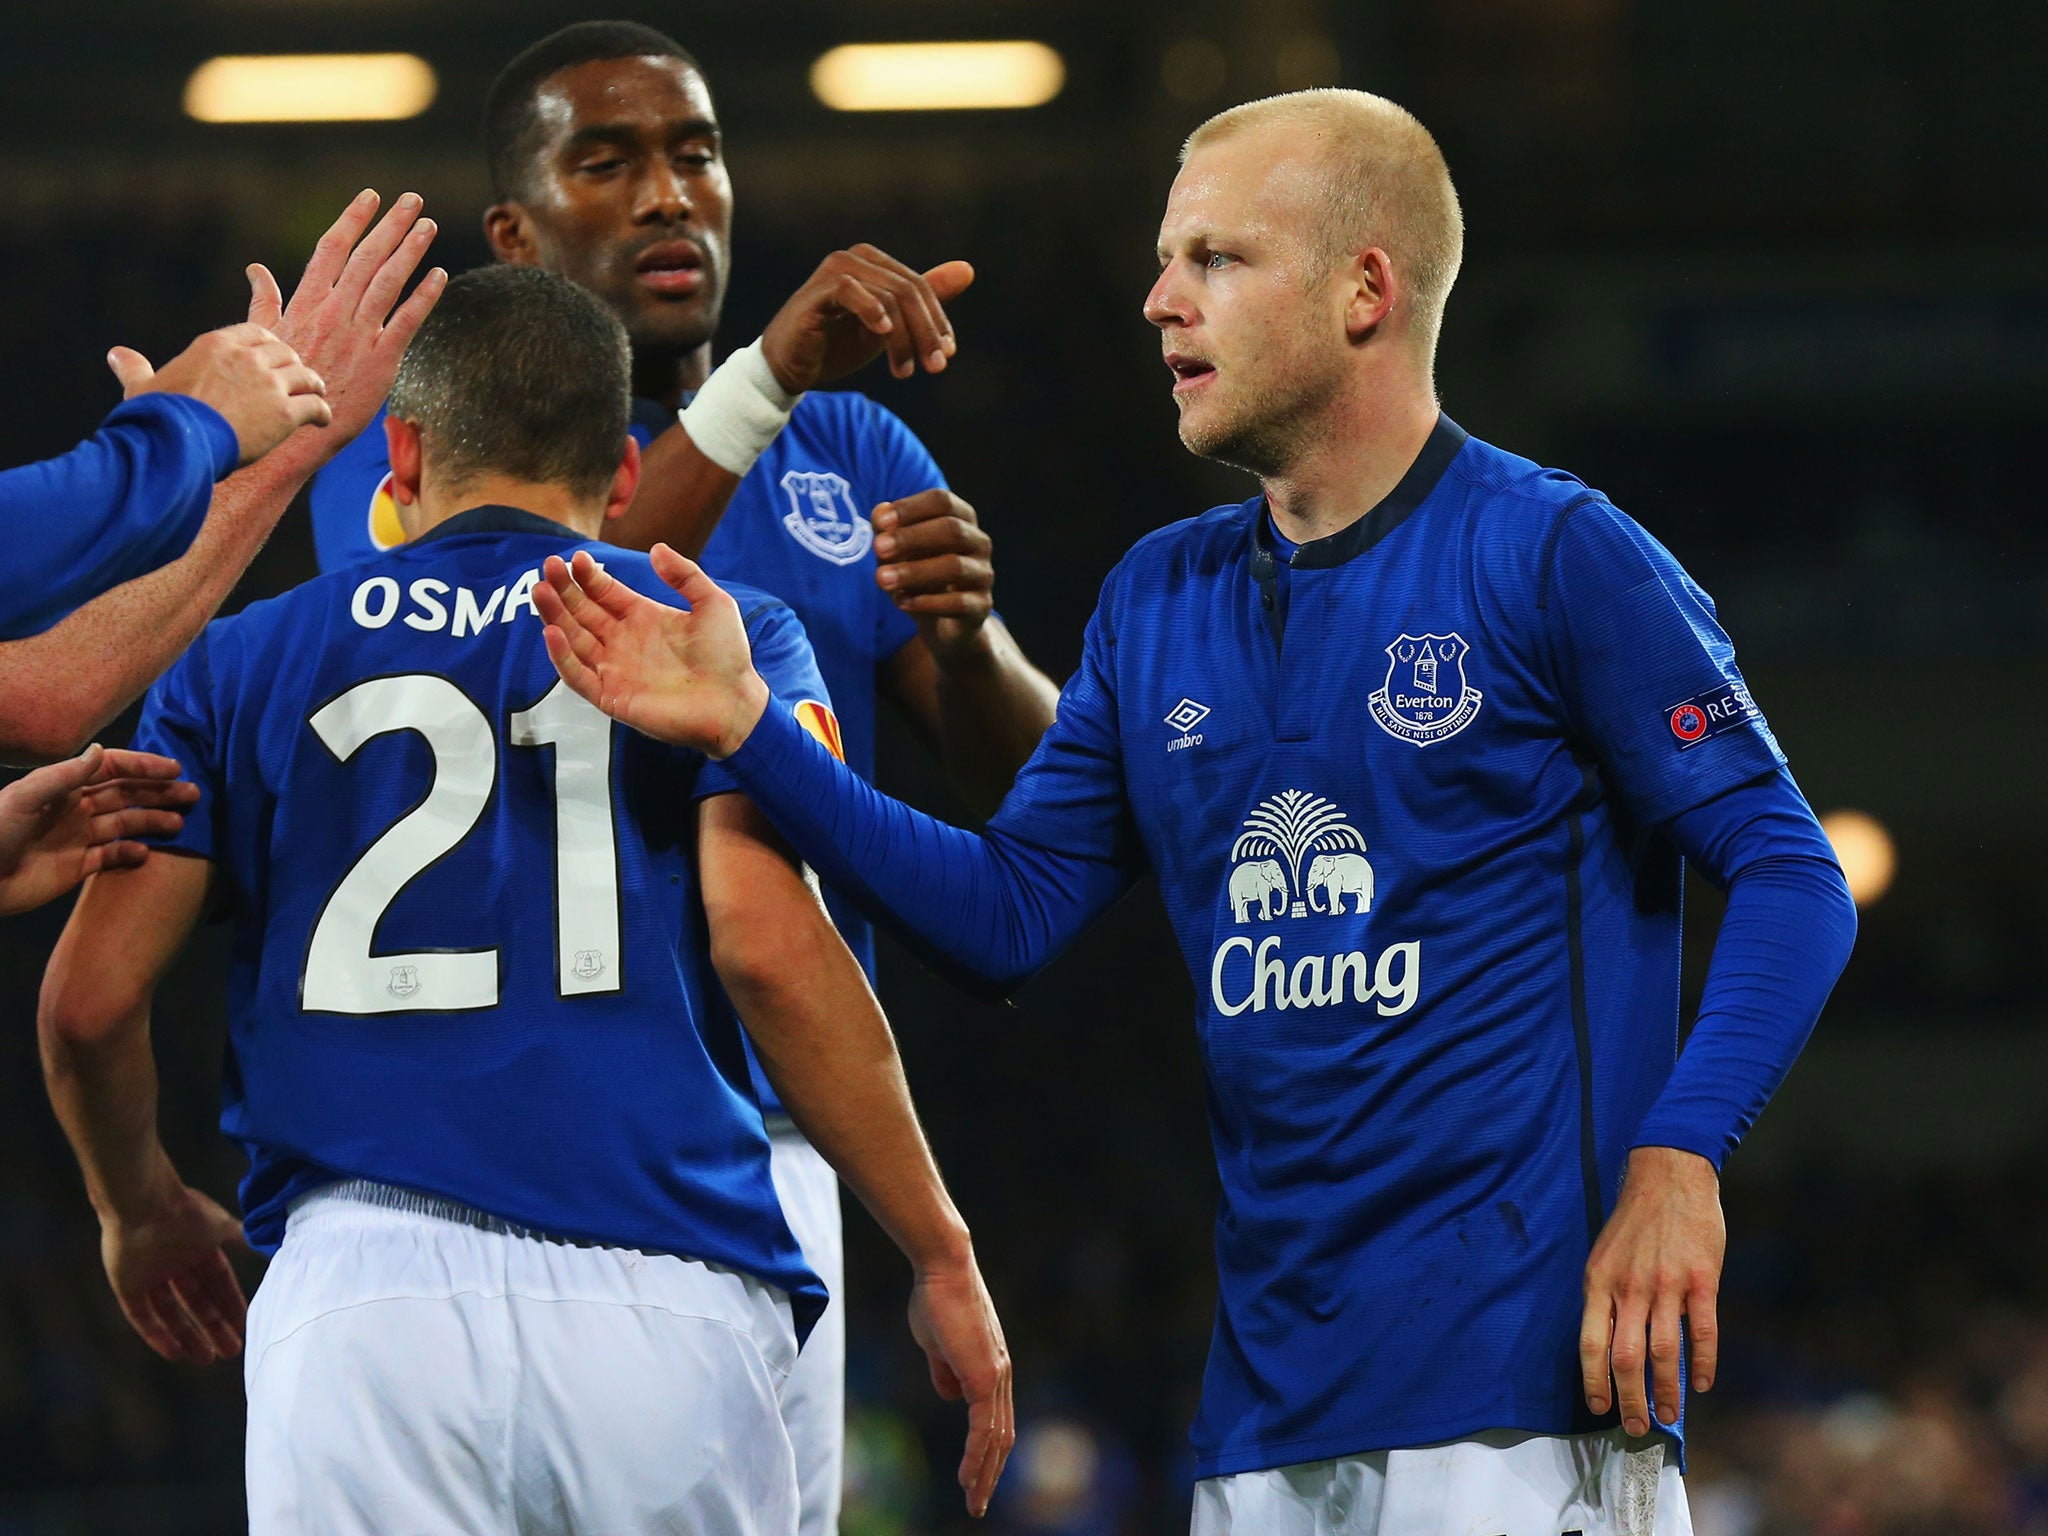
[{"x": 342, "y": 975}]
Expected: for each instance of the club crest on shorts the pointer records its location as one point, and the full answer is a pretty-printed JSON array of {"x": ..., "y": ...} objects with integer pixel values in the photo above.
[
  {"x": 822, "y": 518},
  {"x": 1426, "y": 698}
]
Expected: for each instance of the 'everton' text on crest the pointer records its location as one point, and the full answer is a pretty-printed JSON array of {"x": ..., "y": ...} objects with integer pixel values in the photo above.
[{"x": 1426, "y": 698}]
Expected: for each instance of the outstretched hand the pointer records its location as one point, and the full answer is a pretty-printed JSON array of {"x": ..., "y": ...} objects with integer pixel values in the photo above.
[
  {"x": 341, "y": 317},
  {"x": 860, "y": 303},
  {"x": 71, "y": 819},
  {"x": 955, "y": 1323},
  {"x": 684, "y": 676}
]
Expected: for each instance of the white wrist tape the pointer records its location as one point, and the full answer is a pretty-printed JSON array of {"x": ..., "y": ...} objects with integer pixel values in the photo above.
[{"x": 738, "y": 411}]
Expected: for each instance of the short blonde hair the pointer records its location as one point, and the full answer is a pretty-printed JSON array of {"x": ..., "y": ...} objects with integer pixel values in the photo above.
[{"x": 1385, "y": 184}]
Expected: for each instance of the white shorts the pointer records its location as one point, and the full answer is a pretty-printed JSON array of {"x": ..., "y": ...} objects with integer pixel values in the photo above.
[
  {"x": 1501, "y": 1483},
  {"x": 814, "y": 1401},
  {"x": 418, "y": 1369}
]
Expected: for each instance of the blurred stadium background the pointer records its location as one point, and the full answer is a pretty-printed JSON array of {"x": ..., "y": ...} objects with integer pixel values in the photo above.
[{"x": 1767, "y": 271}]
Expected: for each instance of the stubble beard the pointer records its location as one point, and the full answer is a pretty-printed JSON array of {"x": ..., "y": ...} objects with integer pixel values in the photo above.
[
  {"x": 1261, "y": 437},
  {"x": 658, "y": 338}
]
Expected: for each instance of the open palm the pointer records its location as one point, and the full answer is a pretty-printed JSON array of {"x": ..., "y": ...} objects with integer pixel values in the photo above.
[
  {"x": 64, "y": 822},
  {"x": 684, "y": 676}
]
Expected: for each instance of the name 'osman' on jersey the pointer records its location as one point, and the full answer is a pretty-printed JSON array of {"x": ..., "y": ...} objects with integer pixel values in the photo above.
[
  {"x": 796, "y": 528},
  {"x": 470, "y": 957},
  {"x": 1407, "y": 801}
]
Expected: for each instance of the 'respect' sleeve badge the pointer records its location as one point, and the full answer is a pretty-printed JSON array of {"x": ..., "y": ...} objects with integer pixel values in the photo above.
[{"x": 1708, "y": 715}]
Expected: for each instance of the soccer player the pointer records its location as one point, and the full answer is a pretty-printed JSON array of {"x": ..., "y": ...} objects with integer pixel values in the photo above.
[
  {"x": 65, "y": 821},
  {"x": 607, "y": 166},
  {"x": 132, "y": 496},
  {"x": 1415, "y": 742},
  {"x": 533, "y": 1271},
  {"x": 345, "y": 323}
]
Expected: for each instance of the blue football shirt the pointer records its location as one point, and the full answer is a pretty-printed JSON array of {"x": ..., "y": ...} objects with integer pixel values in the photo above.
[
  {"x": 1402, "y": 796},
  {"x": 797, "y": 528},
  {"x": 470, "y": 955}
]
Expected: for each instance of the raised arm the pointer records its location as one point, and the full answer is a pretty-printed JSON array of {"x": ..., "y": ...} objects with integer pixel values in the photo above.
[
  {"x": 824, "y": 1044},
  {"x": 165, "y": 1246},
  {"x": 59, "y": 687},
  {"x": 133, "y": 495},
  {"x": 860, "y": 304},
  {"x": 995, "y": 907}
]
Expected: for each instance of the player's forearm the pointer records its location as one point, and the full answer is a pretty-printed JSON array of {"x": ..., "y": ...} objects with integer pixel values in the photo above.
[
  {"x": 987, "y": 910},
  {"x": 681, "y": 497},
  {"x": 993, "y": 707},
  {"x": 101, "y": 1076},
  {"x": 1786, "y": 934},
  {"x": 824, "y": 1044},
  {"x": 60, "y": 687}
]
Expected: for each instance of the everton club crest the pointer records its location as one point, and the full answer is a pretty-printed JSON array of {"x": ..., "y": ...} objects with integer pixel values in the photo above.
[
  {"x": 822, "y": 518},
  {"x": 1426, "y": 698}
]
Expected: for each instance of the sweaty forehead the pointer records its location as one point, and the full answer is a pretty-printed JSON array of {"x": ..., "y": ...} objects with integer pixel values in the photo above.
[
  {"x": 645, "y": 93},
  {"x": 1248, "y": 186}
]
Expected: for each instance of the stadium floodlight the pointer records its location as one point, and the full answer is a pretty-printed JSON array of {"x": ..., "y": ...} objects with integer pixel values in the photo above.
[
  {"x": 924, "y": 77},
  {"x": 1865, "y": 851},
  {"x": 310, "y": 88}
]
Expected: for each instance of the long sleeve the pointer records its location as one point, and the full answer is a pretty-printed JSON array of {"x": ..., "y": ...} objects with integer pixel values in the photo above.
[
  {"x": 990, "y": 910},
  {"x": 1784, "y": 940},
  {"x": 128, "y": 499}
]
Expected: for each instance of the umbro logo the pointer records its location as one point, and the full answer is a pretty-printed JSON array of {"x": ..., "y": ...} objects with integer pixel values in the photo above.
[{"x": 1184, "y": 717}]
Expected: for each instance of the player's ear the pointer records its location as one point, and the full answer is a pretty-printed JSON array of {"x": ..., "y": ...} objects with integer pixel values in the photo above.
[
  {"x": 510, "y": 235},
  {"x": 1371, "y": 283},
  {"x": 625, "y": 480},
  {"x": 402, "y": 440}
]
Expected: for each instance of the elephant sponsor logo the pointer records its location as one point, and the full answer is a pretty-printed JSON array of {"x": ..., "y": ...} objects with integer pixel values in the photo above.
[
  {"x": 1333, "y": 876},
  {"x": 1286, "y": 829},
  {"x": 1300, "y": 856},
  {"x": 822, "y": 517},
  {"x": 1260, "y": 882},
  {"x": 1426, "y": 698}
]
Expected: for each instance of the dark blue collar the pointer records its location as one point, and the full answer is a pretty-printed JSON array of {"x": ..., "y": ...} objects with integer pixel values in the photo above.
[
  {"x": 1278, "y": 542},
  {"x": 1354, "y": 539},
  {"x": 490, "y": 519}
]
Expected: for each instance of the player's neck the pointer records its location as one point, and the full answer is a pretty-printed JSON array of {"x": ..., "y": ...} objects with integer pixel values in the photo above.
[
  {"x": 558, "y": 504},
  {"x": 1353, "y": 461},
  {"x": 668, "y": 376}
]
